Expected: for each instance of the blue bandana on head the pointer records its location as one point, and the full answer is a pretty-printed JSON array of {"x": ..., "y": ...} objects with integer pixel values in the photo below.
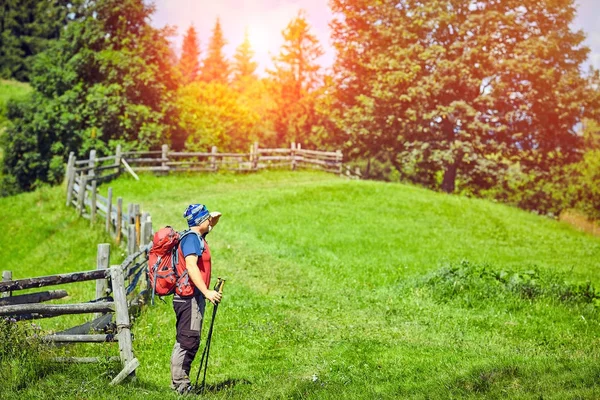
[{"x": 195, "y": 214}]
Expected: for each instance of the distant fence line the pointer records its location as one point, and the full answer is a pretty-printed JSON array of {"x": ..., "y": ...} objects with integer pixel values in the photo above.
[{"x": 166, "y": 161}]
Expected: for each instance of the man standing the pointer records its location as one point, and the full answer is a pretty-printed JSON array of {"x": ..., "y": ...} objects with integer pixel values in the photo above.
[{"x": 193, "y": 269}]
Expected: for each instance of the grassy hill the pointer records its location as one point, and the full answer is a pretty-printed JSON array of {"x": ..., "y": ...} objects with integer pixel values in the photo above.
[{"x": 344, "y": 289}]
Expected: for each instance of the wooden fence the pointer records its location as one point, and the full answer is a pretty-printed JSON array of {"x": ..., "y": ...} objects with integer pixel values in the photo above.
[
  {"x": 119, "y": 290},
  {"x": 103, "y": 169}
]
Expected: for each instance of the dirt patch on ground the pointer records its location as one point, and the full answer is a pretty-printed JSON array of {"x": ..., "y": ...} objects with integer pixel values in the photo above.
[{"x": 580, "y": 221}]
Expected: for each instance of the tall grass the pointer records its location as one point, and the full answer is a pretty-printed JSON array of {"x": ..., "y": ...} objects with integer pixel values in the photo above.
[{"x": 344, "y": 289}]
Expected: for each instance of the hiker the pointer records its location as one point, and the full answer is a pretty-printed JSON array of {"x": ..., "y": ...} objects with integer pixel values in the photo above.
[{"x": 191, "y": 291}]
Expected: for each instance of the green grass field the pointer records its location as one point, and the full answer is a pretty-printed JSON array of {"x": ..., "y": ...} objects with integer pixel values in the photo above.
[{"x": 340, "y": 289}]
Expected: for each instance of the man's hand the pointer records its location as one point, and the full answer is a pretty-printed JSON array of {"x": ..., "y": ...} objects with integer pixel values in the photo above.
[{"x": 213, "y": 296}]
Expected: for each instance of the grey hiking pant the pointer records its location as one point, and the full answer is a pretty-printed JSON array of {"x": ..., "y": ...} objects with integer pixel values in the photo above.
[{"x": 189, "y": 312}]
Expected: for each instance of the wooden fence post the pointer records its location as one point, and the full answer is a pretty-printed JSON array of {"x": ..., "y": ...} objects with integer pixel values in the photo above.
[
  {"x": 137, "y": 218},
  {"x": 119, "y": 222},
  {"x": 251, "y": 156},
  {"x": 81, "y": 199},
  {"x": 122, "y": 321},
  {"x": 165, "y": 157},
  {"x": 256, "y": 157},
  {"x": 131, "y": 248},
  {"x": 146, "y": 232},
  {"x": 130, "y": 216},
  {"x": 70, "y": 177},
  {"x": 70, "y": 166},
  {"x": 92, "y": 163},
  {"x": 357, "y": 172},
  {"x": 293, "y": 154},
  {"x": 118, "y": 156},
  {"x": 94, "y": 205},
  {"x": 102, "y": 262},
  {"x": 338, "y": 160},
  {"x": 109, "y": 210},
  {"x": 6, "y": 276},
  {"x": 213, "y": 158}
]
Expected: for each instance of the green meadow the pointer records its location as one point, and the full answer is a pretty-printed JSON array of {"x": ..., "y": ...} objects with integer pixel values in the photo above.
[{"x": 336, "y": 289}]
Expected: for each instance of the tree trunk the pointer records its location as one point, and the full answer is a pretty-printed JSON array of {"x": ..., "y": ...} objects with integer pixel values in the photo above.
[{"x": 449, "y": 182}]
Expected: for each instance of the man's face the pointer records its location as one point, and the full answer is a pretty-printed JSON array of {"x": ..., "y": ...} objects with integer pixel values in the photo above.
[{"x": 205, "y": 225}]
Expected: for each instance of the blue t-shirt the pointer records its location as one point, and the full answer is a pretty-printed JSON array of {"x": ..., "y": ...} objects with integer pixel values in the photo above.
[{"x": 191, "y": 244}]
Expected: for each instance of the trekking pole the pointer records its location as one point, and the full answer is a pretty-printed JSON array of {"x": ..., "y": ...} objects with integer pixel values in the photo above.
[{"x": 219, "y": 288}]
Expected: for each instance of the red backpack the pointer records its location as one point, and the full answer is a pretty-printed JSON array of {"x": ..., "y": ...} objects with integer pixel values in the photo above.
[{"x": 162, "y": 261}]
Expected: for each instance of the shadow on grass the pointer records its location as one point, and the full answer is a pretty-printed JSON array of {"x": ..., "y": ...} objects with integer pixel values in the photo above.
[{"x": 227, "y": 384}]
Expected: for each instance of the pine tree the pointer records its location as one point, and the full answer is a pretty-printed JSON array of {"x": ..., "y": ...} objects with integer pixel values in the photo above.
[
  {"x": 216, "y": 67},
  {"x": 189, "y": 63},
  {"x": 26, "y": 29},
  {"x": 243, "y": 66},
  {"x": 295, "y": 78}
]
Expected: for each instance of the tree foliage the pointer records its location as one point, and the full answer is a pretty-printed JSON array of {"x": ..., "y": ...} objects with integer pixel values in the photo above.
[
  {"x": 458, "y": 91},
  {"x": 189, "y": 63},
  {"x": 26, "y": 29},
  {"x": 244, "y": 67},
  {"x": 295, "y": 80},
  {"x": 107, "y": 80},
  {"x": 212, "y": 114},
  {"x": 216, "y": 67}
]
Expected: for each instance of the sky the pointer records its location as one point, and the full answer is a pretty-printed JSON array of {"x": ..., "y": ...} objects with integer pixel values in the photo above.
[{"x": 266, "y": 19}]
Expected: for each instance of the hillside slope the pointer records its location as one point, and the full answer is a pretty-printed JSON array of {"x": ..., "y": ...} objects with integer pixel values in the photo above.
[{"x": 346, "y": 289}]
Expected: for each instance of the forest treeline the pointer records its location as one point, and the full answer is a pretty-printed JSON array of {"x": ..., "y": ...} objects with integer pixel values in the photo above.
[{"x": 483, "y": 98}]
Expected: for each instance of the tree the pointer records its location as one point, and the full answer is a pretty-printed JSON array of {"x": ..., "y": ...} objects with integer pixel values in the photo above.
[
  {"x": 216, "y": 67},
  {"x": 189, "y": 63},
  {"x": 244, "y": 68},
  {"x": 106, "y": 81},
  {"x": 294, "y": 80},
  {"x": 212, "y": 114},
  {"x": 26, "y": 29},
  {"x": 457, "y": 91}
]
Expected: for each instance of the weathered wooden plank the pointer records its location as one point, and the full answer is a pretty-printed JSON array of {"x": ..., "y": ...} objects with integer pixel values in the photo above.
[
  {"x": 129, "y": 369},
  {"x": 106, "y": 167},
  {"x": 97, "y": 325},
  {"x": 6, "y": 276},
  {"x": 33, "y": 297},
  {"x": 151, "y": 152},
  {"x": 28, "y": 283},
  {"x": 107, "y": 158},
  {"x": 57, "y": 309},
  {"x": 97, "y": 338},
  {"x": 108, "y": 210},
  {"x": 131, "y": 239},
  {"x": 84, "y": 359},
  {"x": 119, "y": 221},
  {"x": 122, "y": 315},
  {"x": 102, "y": 263},
  {"x": 128, "y": 168},
  {"x": 318, "y": 153},
  {"x": 181, "y": 154},
  {"x": 146, "y": 160},
  {"x": 265, "y": 151},
  {"x": 94, "y": 204}
]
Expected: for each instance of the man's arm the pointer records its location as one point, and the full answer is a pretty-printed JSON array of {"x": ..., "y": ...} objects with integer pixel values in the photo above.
[{"x": 192, "y": 267}]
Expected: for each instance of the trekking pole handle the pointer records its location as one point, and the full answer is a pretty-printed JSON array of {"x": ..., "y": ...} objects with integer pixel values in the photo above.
[{"x": 219, "y": 285}]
